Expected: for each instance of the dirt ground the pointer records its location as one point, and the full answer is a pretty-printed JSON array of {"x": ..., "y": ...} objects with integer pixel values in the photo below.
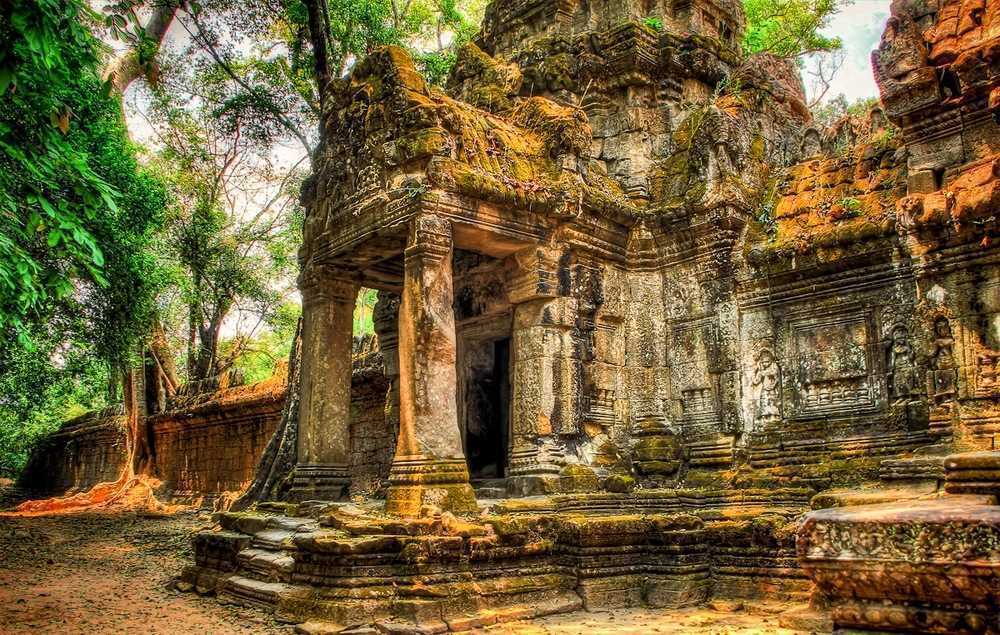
[{"x": 88, "y": 573}]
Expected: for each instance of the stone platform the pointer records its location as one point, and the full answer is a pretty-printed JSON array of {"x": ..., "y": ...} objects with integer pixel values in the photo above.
[
  {"x": 914, "y": 566},
  {"x": 343, "y": 565}
]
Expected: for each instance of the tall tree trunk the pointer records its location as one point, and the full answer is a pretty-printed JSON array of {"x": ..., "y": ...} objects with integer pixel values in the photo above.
[
  {"x": 143, "y": 456},
  {"x": 194, "y": 319},
  {"x": 160, "y": 349},
  {"x": 127, "y": 67},
  {"x": 319, "y": 36},
  {"x": 273, "y": 475}
]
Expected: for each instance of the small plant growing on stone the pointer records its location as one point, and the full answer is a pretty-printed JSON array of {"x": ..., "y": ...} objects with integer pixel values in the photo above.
[
  {"x": 415, "y": 188},
  {"x": 852, "y": 207},
  {"x": 654, "y": 23}
]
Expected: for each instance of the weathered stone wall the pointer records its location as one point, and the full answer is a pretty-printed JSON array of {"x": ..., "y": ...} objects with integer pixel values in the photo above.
[
  {"x": 373, "y": 437},
  {"x": 207, "y": 443},
  {"x": 86, "y": 451},
  {"x": 214, "y": 446},
  {"x": 702, "y": 287}
]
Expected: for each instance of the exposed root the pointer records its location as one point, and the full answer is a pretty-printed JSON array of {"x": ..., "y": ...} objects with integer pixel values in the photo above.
[{"x": 135, "y": 493}]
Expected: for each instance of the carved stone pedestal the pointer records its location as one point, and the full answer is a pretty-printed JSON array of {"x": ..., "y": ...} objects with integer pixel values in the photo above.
[
  {"x": 416, "y": 481},
  {"x": 319, "y": 482},
  {"x": 917, "y": 567}
]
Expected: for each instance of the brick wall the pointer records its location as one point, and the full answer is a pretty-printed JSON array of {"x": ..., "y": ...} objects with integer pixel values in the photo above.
[{"x": 214, "y": 447}]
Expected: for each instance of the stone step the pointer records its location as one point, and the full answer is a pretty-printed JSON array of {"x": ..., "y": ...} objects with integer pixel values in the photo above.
[
  {"x": 490, "y": 493},
  {"x": 245, "y": 590},
  {"x": 292, "y": 523},
  {"x": 913, "y": 468},
  {"x": 273, "y": 566},
  {"x": 273, "y": 539}
]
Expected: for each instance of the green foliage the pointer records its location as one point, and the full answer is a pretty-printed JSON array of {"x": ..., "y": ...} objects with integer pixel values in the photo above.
[
  {"x": 827, "y": 114},
  {"x": 885, "y": 139},
  {"x": 790, "y": 28},
  {"x": 364, "y": 312},
  {"x": 436, "y": 65},
  {"x": 852, "y": 207},
  {"x": 654, "y": 23},
  {"x": 259, "y": 358},
  {"x": 234, "y": 223},
  {"x": 431, "y": 29},
  {"x": 77, "y": 214},
  {"x": 50, "y": 193},
  {"x": 60, "y": 378},
  {"x": 76, "y": 211}
]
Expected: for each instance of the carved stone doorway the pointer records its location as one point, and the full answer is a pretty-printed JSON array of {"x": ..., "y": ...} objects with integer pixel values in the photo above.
[{"x": 486, "y": 408}]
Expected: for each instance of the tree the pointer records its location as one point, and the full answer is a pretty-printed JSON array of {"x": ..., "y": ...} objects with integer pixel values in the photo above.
[
  {"x": 77, "y": 277},
  {"x": 50, "y": 193},
  {"x": 144, "y": 39},
  {"x": 59, "y": 378},
  {"x": 233, "y": 225},
  {"x": 78, "y": 211},
  {"x": 790, "y": 28}
]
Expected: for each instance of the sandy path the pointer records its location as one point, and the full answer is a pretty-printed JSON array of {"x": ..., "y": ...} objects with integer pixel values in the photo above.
[{"x": 107, "y": 574}]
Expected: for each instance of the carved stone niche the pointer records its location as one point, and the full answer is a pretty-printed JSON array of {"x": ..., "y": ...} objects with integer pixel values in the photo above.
[
  {"x": 981, "y": 342},
  {"x": 835, "y": 370},
  {"x": 694, "y": 360}
]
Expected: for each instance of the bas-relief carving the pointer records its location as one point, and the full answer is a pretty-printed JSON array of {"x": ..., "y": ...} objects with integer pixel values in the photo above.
[
  {"x": 834, "y": 371},
  {"x": 901, "y": 365},
  {"x": 942, "y": 382},
  {"x": 766, "y": 383},
  {"x": 981, "y": 336},
  {"x": 694, "y": 353}
]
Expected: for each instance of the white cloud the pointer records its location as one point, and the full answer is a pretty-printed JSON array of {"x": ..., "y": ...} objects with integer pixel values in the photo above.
[{"x": 860, "y": 26}]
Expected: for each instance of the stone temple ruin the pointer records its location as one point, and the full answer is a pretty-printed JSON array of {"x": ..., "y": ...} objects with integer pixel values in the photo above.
[{"x": 636, "y": 318}]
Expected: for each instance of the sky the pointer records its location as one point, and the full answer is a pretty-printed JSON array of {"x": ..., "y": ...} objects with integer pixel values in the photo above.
[{"x": 860, "y": 26}]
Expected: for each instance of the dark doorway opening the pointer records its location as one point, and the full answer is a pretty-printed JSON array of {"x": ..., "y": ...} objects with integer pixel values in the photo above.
[{"x": 487, "y": 410}]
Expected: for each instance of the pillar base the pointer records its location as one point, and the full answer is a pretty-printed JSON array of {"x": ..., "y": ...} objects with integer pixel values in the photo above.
[
  {"x": 319, "y": 482},
  {"x": 415, "y": 481}
]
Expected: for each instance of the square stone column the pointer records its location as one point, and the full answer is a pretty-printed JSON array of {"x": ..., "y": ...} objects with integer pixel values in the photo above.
[
  {"x": 328, "y": 301},
  {"x": 546, "y": 391},
  {"x": 429, "y": 467}
]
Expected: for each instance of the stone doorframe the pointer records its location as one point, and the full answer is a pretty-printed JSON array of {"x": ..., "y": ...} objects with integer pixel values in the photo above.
[{"x": 429, "y": 466}]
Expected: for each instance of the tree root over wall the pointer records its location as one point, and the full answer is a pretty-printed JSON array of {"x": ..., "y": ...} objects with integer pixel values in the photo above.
[{"x": 273, "y": 475}]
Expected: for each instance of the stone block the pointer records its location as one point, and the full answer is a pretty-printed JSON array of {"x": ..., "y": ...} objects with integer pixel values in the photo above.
[
  {"x": 923, "y": 566},
  {"x": 578, "y": 478},
  {"x": 973, "y": 473}
]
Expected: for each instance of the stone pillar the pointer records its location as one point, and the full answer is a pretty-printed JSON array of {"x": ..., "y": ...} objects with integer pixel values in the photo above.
[
  {"x": 545, "y": 399},
  {"x": 429, "y": 467},
  {"x": 328, "y": 301},
  {"x": 386, "y": 322}
]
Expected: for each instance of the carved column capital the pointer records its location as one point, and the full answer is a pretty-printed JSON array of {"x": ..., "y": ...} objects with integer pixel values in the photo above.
[
  {"x": 430, "y": 239},
  {"x": 533, "y": 274},
  {"x": 328, "y": 283}
]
